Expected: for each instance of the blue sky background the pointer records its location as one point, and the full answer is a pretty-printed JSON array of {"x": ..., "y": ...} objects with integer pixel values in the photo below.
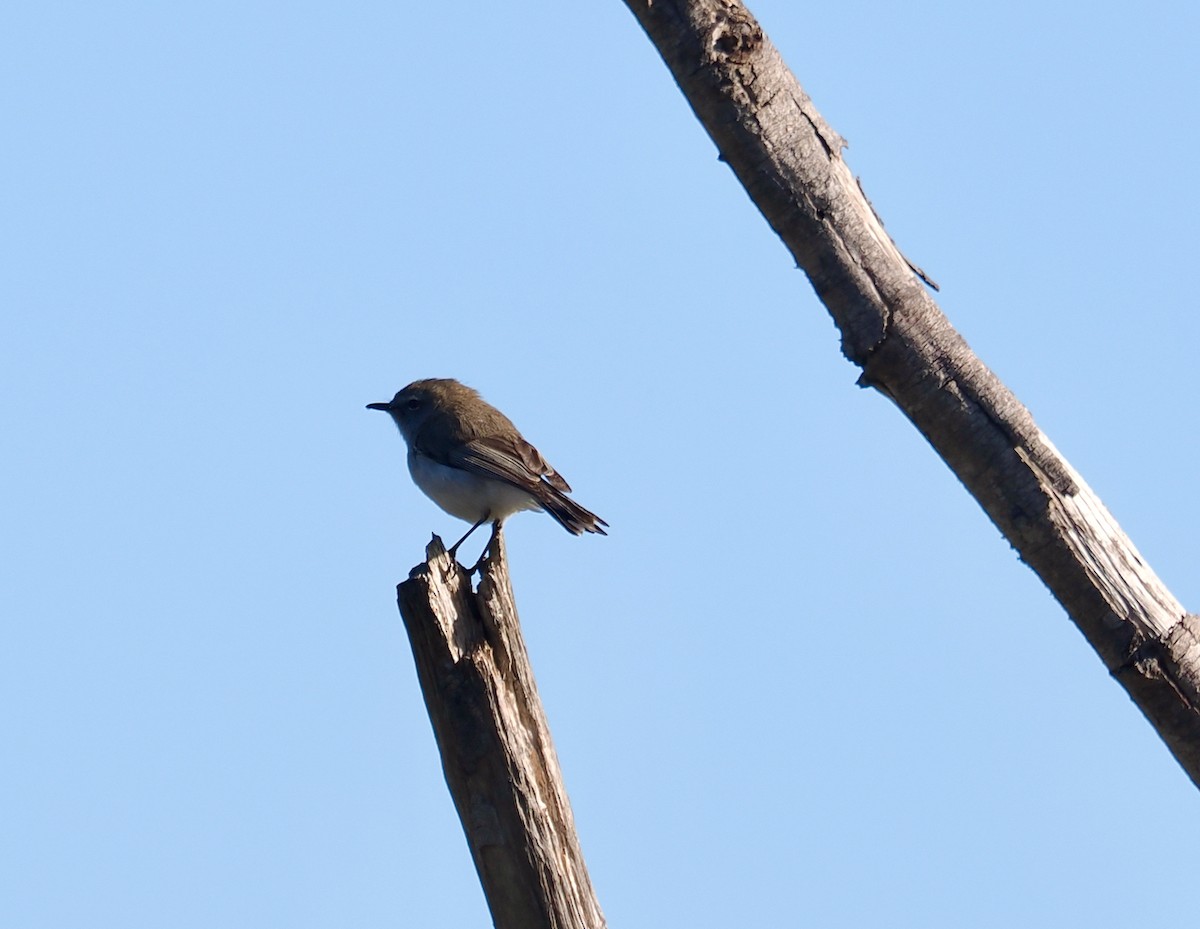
[{"x": 803, "y": 682}]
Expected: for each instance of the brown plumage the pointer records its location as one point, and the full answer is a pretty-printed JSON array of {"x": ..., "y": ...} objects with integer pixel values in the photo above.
[{"x": 469, "y": 458}]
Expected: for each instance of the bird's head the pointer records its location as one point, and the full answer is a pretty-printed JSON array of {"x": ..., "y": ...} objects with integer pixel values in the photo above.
[{"x": 421, "y": 401}]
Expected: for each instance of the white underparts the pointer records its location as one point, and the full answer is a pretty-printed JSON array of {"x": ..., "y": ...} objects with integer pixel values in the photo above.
[{"x": 464, "y": 494}]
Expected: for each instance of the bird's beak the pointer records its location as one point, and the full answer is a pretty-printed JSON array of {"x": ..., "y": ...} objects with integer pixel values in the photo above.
[{"x": 386, "y": 407}]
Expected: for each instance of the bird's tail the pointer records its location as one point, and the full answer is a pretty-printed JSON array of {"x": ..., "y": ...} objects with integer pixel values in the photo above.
[{"x": 569, "y": 514}]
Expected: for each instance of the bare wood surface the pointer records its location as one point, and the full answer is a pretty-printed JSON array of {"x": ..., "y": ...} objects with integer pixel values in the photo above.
[
  {"x": 789, "y": 160},
  {"x": 495, "y": 744}
]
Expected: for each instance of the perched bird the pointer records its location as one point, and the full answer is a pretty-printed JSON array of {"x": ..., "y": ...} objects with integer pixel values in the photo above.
[{"x": 470, "y": 460}]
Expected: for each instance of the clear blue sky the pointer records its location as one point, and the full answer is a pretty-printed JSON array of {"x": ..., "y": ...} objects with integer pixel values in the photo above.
[{"x": 803, "y": 682}]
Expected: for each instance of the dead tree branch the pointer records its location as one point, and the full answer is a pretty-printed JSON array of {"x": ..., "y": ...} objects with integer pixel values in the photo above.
[
  {"x": 495, "y": 744},
  {"x": 789, "y": 160}
]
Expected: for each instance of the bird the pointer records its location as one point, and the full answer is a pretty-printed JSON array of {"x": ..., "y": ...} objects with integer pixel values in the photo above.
[{"x": 469, "y": 459}]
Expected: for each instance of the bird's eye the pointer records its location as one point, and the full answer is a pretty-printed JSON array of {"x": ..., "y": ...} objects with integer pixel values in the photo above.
[{"x": 413, "y": 404}]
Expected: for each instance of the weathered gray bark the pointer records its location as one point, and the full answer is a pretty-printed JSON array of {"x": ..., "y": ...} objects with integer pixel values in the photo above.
[
  {"x": 497, "y": 755},
  {"x": 789, "y": 160}
]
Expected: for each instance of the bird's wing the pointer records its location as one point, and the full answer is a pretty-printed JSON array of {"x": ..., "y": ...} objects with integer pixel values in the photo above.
[{"x": 515, "y": 462}]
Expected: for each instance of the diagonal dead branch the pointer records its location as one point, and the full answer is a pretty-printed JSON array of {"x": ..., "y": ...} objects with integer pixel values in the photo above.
[{"x": 789, "y": 161}]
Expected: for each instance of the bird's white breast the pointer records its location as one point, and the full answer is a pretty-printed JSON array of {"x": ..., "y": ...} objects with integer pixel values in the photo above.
[{"x": 464, "y": 494}]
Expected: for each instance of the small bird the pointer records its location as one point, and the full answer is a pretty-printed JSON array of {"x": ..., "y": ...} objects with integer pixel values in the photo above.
[{"x": 470, "y": 460}]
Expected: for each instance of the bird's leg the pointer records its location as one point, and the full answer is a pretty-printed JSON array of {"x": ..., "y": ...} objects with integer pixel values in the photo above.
[
  {"x": 454, "y": 547},
  {"x": 489, "y": 550}
]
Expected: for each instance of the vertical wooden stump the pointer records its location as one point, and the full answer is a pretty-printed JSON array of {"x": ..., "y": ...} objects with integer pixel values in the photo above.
[{"x": 496, "y": 749}]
